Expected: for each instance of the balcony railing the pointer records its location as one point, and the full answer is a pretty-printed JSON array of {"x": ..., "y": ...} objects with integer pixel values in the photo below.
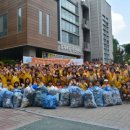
[
  {"x": 87, "y": 46},
  {"x": 86, "y": 24}
]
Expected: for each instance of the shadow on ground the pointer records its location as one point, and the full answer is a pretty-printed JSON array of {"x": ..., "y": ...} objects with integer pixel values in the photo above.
[{"x": 59, "y": 124}]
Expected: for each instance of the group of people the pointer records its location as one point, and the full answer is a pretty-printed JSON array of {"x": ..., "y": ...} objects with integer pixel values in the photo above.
[{"x": 89, "y": 74}]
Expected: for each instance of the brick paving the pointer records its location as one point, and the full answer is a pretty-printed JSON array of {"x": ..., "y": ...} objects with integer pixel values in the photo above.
[
  {"x": 11, "y": 119},
  {"x": 117, "y": 117}
]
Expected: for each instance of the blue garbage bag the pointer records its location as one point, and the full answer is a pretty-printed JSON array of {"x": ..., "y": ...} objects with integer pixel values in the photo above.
[
  {"x": 76, "y": 89},
  {"x": 2, "y": 92},
  {"x": 38, "y": 98},
  {"x": 116, "y": 96},
  {"x": 49, "y": 101},
  {"x": 64, "y": 98},
  {"x": 76, "y": 96},
  {"x": 17, "y": 99},
  {"x": 89, "y": 101},
  {"x": 35, "y": 87},
  {"x": 28, "y": 97},
  {"x": 98, "y": 96},
  {"x": 107, "y": 88},
  {"x": 43, "y": 89},
  {"x": 8, "y": 99},
  {"x": 107, "y": 98}
]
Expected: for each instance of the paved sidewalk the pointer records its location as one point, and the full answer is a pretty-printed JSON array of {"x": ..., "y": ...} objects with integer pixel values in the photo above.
[
  {"x": 117, "y": 117},
  {"x": 58, "y": 124},
  {"x": 11, "y": 119},
  {"x": 113, "y": 117}
]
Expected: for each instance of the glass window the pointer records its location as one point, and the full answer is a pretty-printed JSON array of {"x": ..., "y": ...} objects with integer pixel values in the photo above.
[
  {"x": 70, "y": 38},
  {"x": 48, "y": 25},
  {"x": 70, "y": 27},
  {"x": 70, "y": 17},
  {"x": 68, "y": 5},
  {"x": 40, "y": 22},
  {"x": 3, "y": 25},
  {"x": 19, "y": 19}
]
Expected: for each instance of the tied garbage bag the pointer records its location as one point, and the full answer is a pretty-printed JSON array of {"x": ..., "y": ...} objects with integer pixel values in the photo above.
[
  {"x": 98, "y": 95},
  {"x": 64, "y": 97},
  {"x": 89, "y": 101},
  {"x": 76, "y": 96},
  {"x": 28, "y": 97},
  {"x": 35, "y": 87},
  {"x": 116, "y": 96},
  {"x": 2, "y": 92},
  {"x": 49, "y": 102},
  {"x": 107, "y": 98},
  {"x": 8, "y": 99},
  {"x": 107, "y": 88},
  {"x": 17, "y": 99},
  {"x": 43, "y": 89},
  {"x": 25, "y": 102},
  {"x": 52, "y": 90},
  {"x": 38, "y": 98}
]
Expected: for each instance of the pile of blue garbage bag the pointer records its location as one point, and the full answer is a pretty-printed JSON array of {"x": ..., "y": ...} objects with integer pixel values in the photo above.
[{"x": 51, "y": 98}]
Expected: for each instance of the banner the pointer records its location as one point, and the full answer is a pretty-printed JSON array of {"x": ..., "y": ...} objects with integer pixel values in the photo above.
[{"x": 46, "y": 61}]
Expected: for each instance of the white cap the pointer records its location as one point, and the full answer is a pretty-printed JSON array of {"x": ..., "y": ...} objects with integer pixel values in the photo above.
[{"x": 105, "y": 80}]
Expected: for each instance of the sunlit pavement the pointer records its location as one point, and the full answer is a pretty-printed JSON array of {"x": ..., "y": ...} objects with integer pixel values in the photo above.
[{"x": 65, "y": 118}]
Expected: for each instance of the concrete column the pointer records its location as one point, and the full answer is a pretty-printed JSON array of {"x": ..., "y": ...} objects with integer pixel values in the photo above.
[{"x": 29, "y": 51}]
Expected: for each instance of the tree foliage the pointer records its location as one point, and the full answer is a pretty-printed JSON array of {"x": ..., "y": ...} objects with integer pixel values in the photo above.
[
  {"x": 127, "y": 48},
  {"x": 118, "y": 54}
]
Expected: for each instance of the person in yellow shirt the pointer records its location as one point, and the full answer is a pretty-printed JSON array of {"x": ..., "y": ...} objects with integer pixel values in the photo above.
[
  {"x": 3, "y": 78},
  {"x": 39, "y": 82},
  {"x": 118, "y": 80},
  {"x": 111, "y": 75},
  {"x": 86, "y": 71},
  {"x": 64, "y": 80},
  {"x": 82, "y": 84},
  {"x": 1, "y": 83},
  {"x": 44, "y": 76},
  {"x": 106, "y": 83},
  {"x": 9, "y": 85},
  {"x": 92, "y": 77},
  {"x": 124, "y": 74},
  {"x": 125, "y": 92},
  {"x": 56, "y": 76}
]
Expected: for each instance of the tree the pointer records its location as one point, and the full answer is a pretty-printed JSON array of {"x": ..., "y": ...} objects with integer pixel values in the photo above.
[
  {"x": 118, "y": 54},
  {"x": 127, "y": 50}
]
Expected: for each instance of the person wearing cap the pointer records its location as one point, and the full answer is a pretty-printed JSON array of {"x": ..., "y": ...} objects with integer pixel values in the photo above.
[
  {"x": 106, "y": 83},
  {"x": 86, "y": 71}
]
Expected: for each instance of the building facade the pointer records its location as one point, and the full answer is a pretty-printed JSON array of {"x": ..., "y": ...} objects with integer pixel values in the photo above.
[
  {"x": 53, "y": 28},
  {"x": 101, "y": 31}
]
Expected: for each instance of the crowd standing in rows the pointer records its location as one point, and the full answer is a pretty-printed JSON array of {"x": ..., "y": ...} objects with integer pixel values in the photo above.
[{"x": 61, "y": 76}]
